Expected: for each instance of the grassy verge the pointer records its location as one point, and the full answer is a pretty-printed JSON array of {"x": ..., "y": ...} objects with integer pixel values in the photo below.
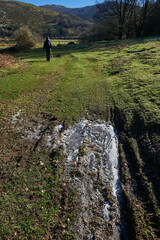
[{"x": 33, "y": 197}]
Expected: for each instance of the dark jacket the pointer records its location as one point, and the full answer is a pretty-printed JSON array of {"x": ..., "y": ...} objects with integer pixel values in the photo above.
[{"x": 47, "y": 45}]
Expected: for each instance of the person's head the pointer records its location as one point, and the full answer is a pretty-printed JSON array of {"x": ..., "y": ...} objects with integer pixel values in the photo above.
[{"x": 47, "y": 38}]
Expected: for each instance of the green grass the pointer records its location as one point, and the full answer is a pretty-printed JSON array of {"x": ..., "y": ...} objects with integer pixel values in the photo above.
[
  {"x": 89, "y": 79},
  {"x": 31, "y": 196},
  {"x": 82, "y": 80},
  {"x": 135, "y": 81},
  {"x": 95, "y": 78}
]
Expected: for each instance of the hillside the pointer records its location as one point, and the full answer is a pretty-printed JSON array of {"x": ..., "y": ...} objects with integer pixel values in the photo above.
[
  {"x": 84, "y": 12},
  {"x": 14, "y": 14}
]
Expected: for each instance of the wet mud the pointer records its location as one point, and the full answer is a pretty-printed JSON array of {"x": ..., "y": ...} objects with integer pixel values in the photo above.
[
  {"x": 115, "y": 177},
  {"x": 91, "y": 150}
]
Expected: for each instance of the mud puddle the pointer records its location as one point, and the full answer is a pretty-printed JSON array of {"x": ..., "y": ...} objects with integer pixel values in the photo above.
[
  {"x": 92, "y": 163},
  {"x": 92, "y": 169},
  {"x": 30, "y": 130},
  {"x": 91, "y": 151}
]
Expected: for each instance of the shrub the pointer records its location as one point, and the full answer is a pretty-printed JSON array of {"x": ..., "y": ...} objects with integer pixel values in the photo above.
[
  {"x": 24, "y": 37},
  {"x": 6, "y": 61}
]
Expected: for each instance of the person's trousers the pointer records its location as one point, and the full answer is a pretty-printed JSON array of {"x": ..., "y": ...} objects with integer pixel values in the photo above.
[{"x": 48, "y": 55}]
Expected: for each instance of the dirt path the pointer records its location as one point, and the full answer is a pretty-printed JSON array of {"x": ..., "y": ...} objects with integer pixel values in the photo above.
[
  {"x": 90, "y": 178},
  {"x": 92, "y": 164}
]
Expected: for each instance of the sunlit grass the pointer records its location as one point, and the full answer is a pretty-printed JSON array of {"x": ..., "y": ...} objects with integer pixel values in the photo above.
[
  {"x": 80, "y": 80},
  {"x": 90, "y": 80}
]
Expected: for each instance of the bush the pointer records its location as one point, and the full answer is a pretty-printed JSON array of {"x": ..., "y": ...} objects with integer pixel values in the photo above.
[
  {"x": 24, "y": 37},
  {"x": 7, "y": 61}
]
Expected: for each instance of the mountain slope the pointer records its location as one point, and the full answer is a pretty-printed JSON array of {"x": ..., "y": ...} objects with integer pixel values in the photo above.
[
  {"x": 84, "y": 12},
  {"x": 14, "y": 14}
]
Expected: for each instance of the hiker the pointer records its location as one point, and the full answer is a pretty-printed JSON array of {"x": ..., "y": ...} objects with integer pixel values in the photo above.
[{"x": 47, "y": 47}]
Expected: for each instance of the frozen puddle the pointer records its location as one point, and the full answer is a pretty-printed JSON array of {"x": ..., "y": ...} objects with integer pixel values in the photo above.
[
  {"x": 92, "y": 163},
  {"x": 15, "y": 117},
  {"x": 31, "y": 130},
  {"x": 91, "y": 150}
]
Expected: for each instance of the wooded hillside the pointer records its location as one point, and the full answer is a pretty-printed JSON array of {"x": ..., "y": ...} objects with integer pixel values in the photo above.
[{"x": 14, "y": 14}]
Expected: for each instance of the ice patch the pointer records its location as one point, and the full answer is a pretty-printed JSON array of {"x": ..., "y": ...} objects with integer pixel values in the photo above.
[
  {"x": 101, "y": 158},
  {"x": 14, "y": 117}
]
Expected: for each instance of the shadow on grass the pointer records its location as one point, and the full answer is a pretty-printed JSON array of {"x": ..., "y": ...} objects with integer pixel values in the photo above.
[
  {"x": 59, "y": 51},
  {"x": 37, "y": 53}
]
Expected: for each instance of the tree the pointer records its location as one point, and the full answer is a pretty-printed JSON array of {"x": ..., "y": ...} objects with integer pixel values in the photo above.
[
  {"x": 123, "y": 18},
  {"x": 152, "y": 23},
  {"x": 142, "y": 10},
  {"x": 115, "y": 15}
]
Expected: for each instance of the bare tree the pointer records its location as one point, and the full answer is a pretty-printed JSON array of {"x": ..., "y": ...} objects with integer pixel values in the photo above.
[
  {"x": 124, "y": 18},
  {"x": 142, "y": 10},
  {"x": 152, "y": 23},
  {"x": 115, "y": 15}
]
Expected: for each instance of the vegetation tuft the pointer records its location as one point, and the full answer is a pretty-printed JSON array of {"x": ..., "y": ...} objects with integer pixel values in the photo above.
[{"x": 7, "y": 61}]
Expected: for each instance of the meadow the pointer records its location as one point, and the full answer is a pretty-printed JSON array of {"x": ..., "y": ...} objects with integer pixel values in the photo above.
[
  {"x": 115, "y": 81},
  {"x": 87, "y": 78}
]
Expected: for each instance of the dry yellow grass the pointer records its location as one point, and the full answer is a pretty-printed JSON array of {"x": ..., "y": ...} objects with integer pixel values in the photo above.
[{"x": 7, "y": 61}]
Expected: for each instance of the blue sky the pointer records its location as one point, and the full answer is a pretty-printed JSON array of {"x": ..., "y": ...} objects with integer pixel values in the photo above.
[{"x": 66, "y": 3}]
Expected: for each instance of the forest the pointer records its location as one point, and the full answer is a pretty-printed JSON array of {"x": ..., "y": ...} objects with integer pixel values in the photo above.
[{"x": 119, "y": 19}]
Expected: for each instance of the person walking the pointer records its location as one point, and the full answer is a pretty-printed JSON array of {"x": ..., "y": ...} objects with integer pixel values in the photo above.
[{"x": 47, "y": 47}]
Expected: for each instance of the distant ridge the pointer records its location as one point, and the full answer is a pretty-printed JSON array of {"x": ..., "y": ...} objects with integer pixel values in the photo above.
[
  {"x": 16, "y": 14},
  {"x": 84, "y": 12}
]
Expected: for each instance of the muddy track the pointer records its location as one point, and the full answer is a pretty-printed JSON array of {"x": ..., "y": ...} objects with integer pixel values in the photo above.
[
  {"x": 139, "y": 170},
  {"x": 92, "y": 166},
  {"x": 88, "y": 149},
  {"x": 102, "y": 212},
  {"x": 138, "y": 150}
]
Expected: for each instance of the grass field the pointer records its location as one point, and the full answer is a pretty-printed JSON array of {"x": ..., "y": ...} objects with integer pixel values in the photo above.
[
  {"x": 81, "y": 80},
  {"x": 89, "y": 78}
]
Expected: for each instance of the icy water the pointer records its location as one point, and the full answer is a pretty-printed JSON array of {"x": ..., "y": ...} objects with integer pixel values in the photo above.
[
  {"x": 15, "y": 117},
  {"x": 91, "y": 150}
]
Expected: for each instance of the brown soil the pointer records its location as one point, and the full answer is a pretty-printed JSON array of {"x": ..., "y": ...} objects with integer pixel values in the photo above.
[{"x": 139, "y": 166}]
